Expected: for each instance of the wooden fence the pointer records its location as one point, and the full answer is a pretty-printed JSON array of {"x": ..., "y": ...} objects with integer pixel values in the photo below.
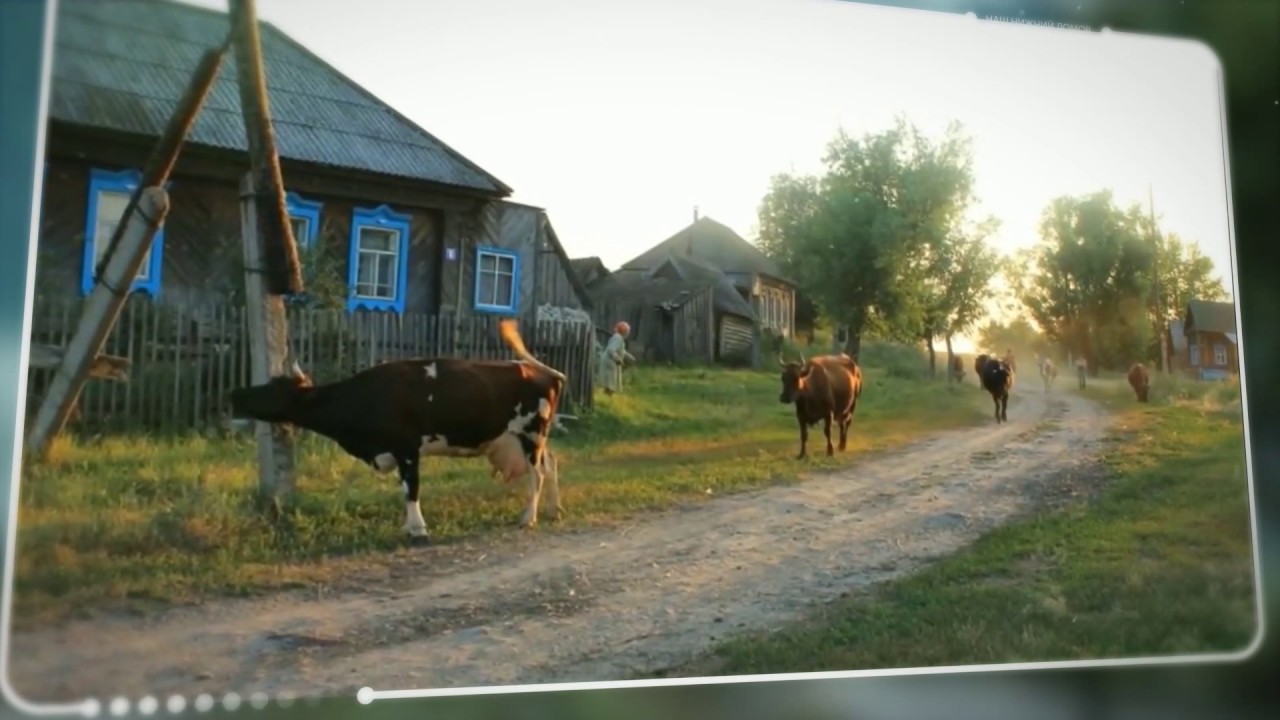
[{"x": 186, "y": 359}]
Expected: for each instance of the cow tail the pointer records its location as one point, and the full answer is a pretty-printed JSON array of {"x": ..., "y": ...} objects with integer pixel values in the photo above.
[{"x": 511, "y": 336}]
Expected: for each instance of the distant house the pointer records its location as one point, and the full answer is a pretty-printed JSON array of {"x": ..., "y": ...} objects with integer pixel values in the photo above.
[
  {"x": 755, "y": 276},
  {"x": 403, "y": 222},
  {"x": 682, "y": 310},
  {"x": 589, "y": 269},
  {"x": 1210, "y": 331}
]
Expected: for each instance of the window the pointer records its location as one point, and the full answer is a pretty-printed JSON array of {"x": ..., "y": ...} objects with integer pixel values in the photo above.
[
  {"x": 109, "y": 194},
  {"x": 304, "y": 218},
  {"x": 1195, "y": 353},
  {"x": 497, "y": 280},
  {"x": 1219, "y": 354},
  {"x": 378, "y": 263}
]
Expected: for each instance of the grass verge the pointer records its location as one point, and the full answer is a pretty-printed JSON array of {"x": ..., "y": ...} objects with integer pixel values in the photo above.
[
  {"x": 1160, "y": 562},
  {"x": 140, "y": 520}
]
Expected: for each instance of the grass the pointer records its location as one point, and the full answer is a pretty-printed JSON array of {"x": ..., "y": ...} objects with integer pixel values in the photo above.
[
  {"x": 1160, "y": 562},
  {"x": 136, "y": 520}
]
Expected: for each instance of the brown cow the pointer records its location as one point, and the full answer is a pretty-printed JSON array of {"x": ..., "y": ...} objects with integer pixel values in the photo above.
[
  {"x": 391, "y": 415},
  {"x": 957, "y": 368},
  {"x": 1140, "y": 381},
  {"x": 824, "y": 388}
]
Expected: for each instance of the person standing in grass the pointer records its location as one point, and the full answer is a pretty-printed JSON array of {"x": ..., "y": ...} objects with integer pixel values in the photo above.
[{"x": 612, "y": 358}]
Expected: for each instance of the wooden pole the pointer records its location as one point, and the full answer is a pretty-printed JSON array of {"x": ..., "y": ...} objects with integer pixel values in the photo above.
[
  {"x": 268, "y": 350},
  {"x": 100, "y": 312},
  {"x": 280, "y": 266},
  {"x": 102, "y": 309},
  {"x": 1162, "y": 329},
  {"x": 270, "y": 254}
]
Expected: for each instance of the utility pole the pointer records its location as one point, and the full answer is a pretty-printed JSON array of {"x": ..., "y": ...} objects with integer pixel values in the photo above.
[
  {"x": 271, "y": 257},
  {"x": 1162, "y": 325}
]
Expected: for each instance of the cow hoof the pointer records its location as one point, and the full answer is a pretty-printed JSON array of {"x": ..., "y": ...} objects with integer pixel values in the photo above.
[
  {"x": 419, "y": 540},
  {"x": 554, "y": 514}
]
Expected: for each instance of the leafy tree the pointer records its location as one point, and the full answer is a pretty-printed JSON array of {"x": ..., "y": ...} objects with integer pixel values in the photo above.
[
  {"x": 1089, "y": 281},
  {"x": 866, "y": 238},
  {"x": 1018, "y": 335}
]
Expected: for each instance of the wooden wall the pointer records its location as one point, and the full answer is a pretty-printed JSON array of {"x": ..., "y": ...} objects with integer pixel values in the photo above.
[
  {"x": 202, "y": 257},
  {"x": 736, "y": 338}
]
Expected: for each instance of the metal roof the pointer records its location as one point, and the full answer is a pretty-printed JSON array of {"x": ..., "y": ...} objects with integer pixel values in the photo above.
[{"x": 123, "y": 65}]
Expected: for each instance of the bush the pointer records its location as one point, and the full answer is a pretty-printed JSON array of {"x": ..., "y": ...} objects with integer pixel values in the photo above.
[{"x": 898, "y": 360}]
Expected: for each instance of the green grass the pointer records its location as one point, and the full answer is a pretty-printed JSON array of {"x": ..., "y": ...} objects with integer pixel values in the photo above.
[
  {"x": 132, "y": 519},
  {"x": 1160, "y": 562}
]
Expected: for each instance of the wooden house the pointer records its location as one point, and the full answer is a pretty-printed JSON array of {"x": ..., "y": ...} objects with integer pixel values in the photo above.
[
  {"x": 755, "y": 276},
  {"x": 386, "y": 215},
  {"x": 407, "y": 246},
  {"x": 1210, "y": 331},
  {"x": 683, "y": 310},
  {"x": 589, "y": 269}
]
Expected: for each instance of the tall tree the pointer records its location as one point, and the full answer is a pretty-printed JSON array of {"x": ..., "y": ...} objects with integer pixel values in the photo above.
[
  {"x": 864, "y": 237},
  {"x": 1088, "y": 286}
]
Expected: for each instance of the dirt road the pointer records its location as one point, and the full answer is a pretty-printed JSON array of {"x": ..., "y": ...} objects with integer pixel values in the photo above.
[{"x": 603, "y": 604}]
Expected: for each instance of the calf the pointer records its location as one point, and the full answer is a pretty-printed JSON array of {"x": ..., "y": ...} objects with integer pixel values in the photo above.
[
  {"x": 1048, "y": 373},
  {"x": 825, "y": 388},
  {"x": 1140, "y": 381},
  {"x": 997, "y": 378},
  {"x": 393, "y": 414}
]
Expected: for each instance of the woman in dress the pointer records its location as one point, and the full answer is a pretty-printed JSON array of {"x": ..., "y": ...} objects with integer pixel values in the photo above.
[{"x": 611, "y": 360}]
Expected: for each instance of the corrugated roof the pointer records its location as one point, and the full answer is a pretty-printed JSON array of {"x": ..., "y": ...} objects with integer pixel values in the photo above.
[
  {"x": 713, "y": 243},
  {"x": 1207, "y": 316},
  {"x": 123, "y": 65}
]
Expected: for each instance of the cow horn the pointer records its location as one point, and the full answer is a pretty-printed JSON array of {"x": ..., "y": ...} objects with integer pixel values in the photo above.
[
  {"x": 802, "y": 360},
  {"x": 781, "y": 362},
  {"x": 295, "y": 369}
]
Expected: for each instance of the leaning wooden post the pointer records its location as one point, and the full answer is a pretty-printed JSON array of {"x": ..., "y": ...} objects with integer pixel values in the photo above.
[
  {"x": 270, "y": 255},
  {"x": 119, "y": 267},
  {"x": 268, "y": 348},
  {"x": 100, "y": 312}
]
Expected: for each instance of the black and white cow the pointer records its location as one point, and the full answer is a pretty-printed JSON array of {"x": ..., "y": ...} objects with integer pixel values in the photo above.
[{"x": 393, "y": 414}]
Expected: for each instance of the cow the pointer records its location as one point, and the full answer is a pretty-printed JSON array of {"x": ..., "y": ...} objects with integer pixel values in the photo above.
[
  {"x": 1140, "y": 381},
  {"x": 391, "y": 415},
  {"x": 979, "y": 363},
  {"x": 1048, "y": 372},
  {"x": 825, "y": 388},
  {"x": 957, "y": 368},
  {"x": 997, "y": 378}
]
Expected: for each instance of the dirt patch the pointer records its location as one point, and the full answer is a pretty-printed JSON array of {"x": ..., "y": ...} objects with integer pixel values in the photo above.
[{"x": 600, "y": 604}]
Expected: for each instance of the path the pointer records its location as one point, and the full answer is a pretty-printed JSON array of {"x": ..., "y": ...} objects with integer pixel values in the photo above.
[{"x": 600, "y": 604}]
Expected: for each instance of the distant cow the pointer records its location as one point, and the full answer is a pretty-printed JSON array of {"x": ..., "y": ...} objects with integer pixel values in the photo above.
[
  {"x": 1048, "y": 372},
  {"x": 393, "y": 414},
  {"x": 824, "y": 388},
  {"x": 1140, "y": 381},
  {"x": 997, "y": 378},
  {"x": 957, "y": 368}
]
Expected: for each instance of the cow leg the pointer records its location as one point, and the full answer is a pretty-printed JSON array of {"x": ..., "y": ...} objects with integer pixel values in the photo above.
[
  {"x": 1004, "y": 407},
  {"x": 413, "y": 523},
  {"x": 804, "y": 440},
  {"x": 533, "y": 481},
  {"x": 826, "y": 431},
  {"x": 551, "y": 484},
  {"x": 844, "y": 430}
]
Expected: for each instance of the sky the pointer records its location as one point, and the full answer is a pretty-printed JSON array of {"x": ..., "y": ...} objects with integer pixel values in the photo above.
[{"x": 620, "y": 117}]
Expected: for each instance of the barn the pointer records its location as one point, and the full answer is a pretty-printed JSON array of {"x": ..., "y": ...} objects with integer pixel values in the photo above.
[
  {"x": 1210, "y": 331},
  {"x": 681, "y": 311},
  {"x": 407, "y": 246},
  {"x": 755, "y": 276}
]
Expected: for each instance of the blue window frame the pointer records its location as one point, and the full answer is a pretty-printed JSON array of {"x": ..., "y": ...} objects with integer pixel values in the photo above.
[
  {"x": 109, "y": 193},
  {"x": 497, "y": 280},
  {"x": 304, "y": 216},
  {"x": 378, "y": 267}
]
